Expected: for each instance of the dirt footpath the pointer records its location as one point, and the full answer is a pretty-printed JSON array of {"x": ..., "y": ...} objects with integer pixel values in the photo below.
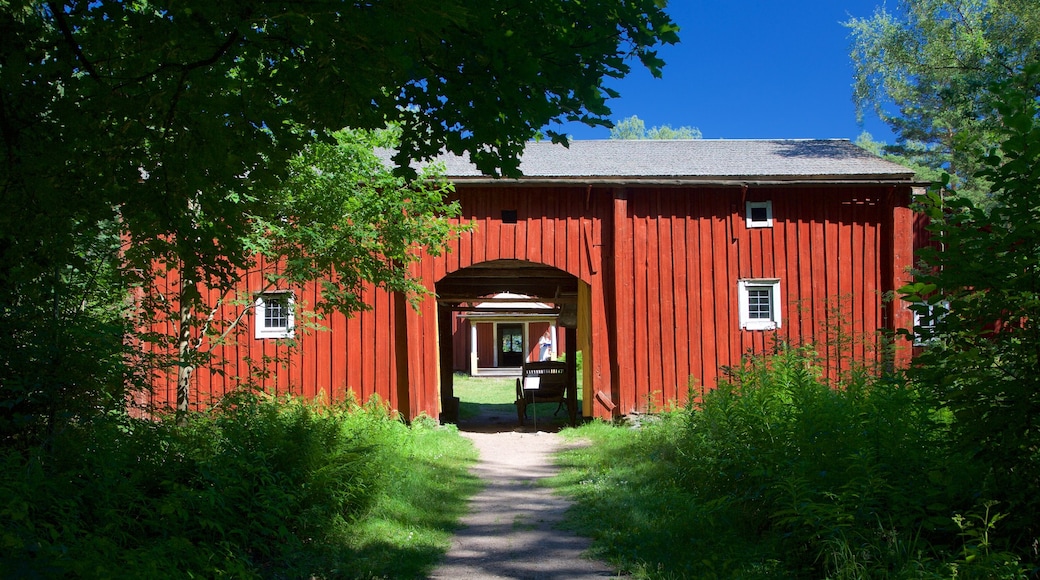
[{"x": 510, "y": 531}]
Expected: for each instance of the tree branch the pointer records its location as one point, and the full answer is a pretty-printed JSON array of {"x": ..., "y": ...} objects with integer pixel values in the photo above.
[{"x": 70, "y": 39}]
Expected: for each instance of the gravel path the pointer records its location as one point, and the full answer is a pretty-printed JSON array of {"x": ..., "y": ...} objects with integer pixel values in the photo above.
[{"x": 511, "y": 530}]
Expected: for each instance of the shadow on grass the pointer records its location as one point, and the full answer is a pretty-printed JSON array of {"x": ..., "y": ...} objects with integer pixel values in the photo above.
[
  {"x": 502, "y": 417},
  {"x": 409, "y": 532}
]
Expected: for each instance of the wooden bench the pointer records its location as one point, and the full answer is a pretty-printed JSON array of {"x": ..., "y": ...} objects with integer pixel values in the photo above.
[{"x": 542, "y": 382}]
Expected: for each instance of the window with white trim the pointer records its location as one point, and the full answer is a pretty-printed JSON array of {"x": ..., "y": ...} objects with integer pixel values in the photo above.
[
  {"x": 926, "y": 316},
  {"x": 274, "y": 315},
  {"x": 759, "y": 302},
  {"x": 759, "y": 214}
]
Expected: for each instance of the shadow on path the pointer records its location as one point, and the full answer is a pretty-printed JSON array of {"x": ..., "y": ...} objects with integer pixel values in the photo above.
[{"x": 512, "y": 530}]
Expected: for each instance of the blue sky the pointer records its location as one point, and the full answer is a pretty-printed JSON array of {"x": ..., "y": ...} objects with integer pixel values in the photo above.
[{"x": 752, "y": 69}]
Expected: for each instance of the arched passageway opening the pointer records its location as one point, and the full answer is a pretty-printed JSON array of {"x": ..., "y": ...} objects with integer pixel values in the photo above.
[{"x": 497, "y": 312}]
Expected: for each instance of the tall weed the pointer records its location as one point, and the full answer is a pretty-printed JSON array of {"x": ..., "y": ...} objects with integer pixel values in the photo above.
[
  {"x": 779, "y": 473},
  {"x": 257, "y": 488}
]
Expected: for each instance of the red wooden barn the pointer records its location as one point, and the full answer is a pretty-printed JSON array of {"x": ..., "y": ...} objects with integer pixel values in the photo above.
[{"x": 660, "y": 261}]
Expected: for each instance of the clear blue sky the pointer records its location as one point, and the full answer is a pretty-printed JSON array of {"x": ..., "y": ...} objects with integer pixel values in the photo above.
[{"x": 751, "y": 69}]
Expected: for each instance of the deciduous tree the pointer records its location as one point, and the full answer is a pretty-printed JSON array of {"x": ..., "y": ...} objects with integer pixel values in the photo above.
[
  {"x": 176, "y": 122},
  {"x": 926, "y": 69},
  {"x": 980, "y": 290},
  {"x": 634, "y": 128}
]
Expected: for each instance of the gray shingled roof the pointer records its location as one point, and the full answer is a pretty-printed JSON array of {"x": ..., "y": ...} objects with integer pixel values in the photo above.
[{"x": 698, "y": 160}]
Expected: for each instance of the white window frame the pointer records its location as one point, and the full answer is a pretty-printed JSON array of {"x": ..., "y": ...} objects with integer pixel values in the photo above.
[
  {"x": 744, "y": 289},
  {"x": 766, "y": 223},
  {"x": 260, "y": 315},
  {"x": 930, "y": 315}
]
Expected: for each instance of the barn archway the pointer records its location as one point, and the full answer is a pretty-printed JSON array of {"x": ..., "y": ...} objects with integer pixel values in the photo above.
[{"x": 495, "y": 290}]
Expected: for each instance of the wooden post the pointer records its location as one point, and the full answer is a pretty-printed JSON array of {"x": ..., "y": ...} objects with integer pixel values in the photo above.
[
  {"x": 571, "y": 335},
  {"x": 403, "y": 403},
  {"x": 449, "y": 403}
]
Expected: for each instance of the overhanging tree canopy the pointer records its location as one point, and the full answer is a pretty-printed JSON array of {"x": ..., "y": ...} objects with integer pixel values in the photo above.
[
  {"x": 153, "y": 108},
  {"x": 177, "y": 121}
]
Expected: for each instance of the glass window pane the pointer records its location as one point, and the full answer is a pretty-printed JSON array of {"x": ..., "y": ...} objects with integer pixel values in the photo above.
[
  {"x": 759, "y": 303},
  {"x": 276, "y": 312}
]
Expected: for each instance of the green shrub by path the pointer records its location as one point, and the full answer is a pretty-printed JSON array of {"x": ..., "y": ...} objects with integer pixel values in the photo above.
[
  {"x": 259, "y": 488},
  {"x": 778, "y": 475}
]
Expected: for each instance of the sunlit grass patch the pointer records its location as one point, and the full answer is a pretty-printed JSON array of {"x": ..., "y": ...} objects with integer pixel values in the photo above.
[
  {"x": 410, "y": 527},
  {"x": 640, "y": 521}
]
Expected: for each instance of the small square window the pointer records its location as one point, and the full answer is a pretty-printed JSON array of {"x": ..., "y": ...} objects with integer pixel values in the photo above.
[
  {"x": 274, "y": 315},
  {"x": 759, "y": 302},
  {"x": 509, "y": 216},
  {"x": 759, "y": 214},
  {"x": 926, "y": 317}
]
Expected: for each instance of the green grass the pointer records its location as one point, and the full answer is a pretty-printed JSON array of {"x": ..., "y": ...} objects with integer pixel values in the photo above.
[
  {"x": 410, "y": 527},
  {"x": 640, "y": 521},
  {"x": 485, "y": 390},
  {"x": 779, "y": 475},
  {"x": 258, "y": 488},
  {"x": 484, "y": 395}
]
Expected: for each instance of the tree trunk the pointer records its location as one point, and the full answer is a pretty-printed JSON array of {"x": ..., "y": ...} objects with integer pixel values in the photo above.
[{"x": 185, "y": 366}]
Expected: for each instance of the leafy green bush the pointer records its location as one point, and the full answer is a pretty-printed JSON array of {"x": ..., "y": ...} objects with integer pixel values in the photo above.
[
  {"x": 260, "y": 487},
  {"x": 779, "y": 474}
]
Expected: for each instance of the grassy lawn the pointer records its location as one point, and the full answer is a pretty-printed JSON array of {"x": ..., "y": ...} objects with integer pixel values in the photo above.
[
  {"x": 412, "y": 522},
  {"x": 640, "y": 521},
  {"x": 486, "y": 395},
  {"x": 485, "y": 390}
]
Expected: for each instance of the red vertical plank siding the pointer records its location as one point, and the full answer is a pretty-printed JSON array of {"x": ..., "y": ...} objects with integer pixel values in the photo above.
[
  {"x": 339, "y": 341},
  {"x": 806, "y": 286},
  {"x": 354, "y": 354},
  {"x": 521, "y": 247},
  {"x": 535, "y": 331},
  {"x": 873, "y": 292},
  {"x": 307, "y": 355},
  {"x": 834, "y": 272},
  {"x": 707, "y": 323},
  {"x": 903, "y": 243},
  {"x": 858, "y": 291},
  {"x": 479, "y": 233},
  {"x": 429, "y": 391},
  {"x": 560, "y": 233},
  {"x": 785, "y": 220},
  {"x": 692, "y": 289},
  {"x": 640, "y": 346},
  {"x": 658, "y": 248},
  {"x": 680, "y": 332},
  {"x": 534, "y": 218},
  {"x": 722, "y": 278},
  {"x": 600, "y": 335},
  {"x": 493, "y": 236},
  {"x": 455, "y": 252},
  {"x": 574, "y": 211},
  {"x": 371, "y": 383},
  {"x": 624, "y": 292},
  {"x": 486, "y": 345},
  {"x": 460, "y": 343},
  {"x": 661, "y": 264},
  {"x": 820, "y": 290},
  {"x": 421, "y": 347},
  {"x": 844, "y": 327},
  {"x": 507, "y": 235}
]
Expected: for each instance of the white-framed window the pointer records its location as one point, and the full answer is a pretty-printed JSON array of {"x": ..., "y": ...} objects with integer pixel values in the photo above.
[
  {"x": 759, "y": 302},
  {"x": 925, "y": 318},
  {"x": 274, "y": 315},
  {"x": 759, "y": 214}
]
